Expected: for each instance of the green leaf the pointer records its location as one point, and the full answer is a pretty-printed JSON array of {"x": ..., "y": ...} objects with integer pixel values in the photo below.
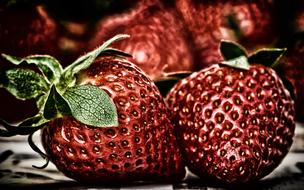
[
  {"x": 267, "y": 56},
  {"x": 23, "y": 84},
  {"x": 55, "y": 105},
  {"x": 85, "y": 61},
  {"x": 231, "y": 50},
  {"x": 116, "y": 52},
  {"x": 91, "y": 106},
  {"x": 48, "y": 65},
  {"x": 239, "y": 63}
]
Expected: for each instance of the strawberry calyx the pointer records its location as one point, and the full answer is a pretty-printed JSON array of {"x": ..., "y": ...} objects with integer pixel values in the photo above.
[
  {"x": 57, "y": 92},
  {"x": 236, "y": 56}
]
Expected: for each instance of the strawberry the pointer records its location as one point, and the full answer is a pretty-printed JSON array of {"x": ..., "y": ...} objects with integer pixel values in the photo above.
[
  {"x": 158, "y": 41},
  {"x": 251, "y": 23},
  {"x": 234, "y": 124},
  {"x": 27, "y": 28},
  {"x": 101, "y": 119}
]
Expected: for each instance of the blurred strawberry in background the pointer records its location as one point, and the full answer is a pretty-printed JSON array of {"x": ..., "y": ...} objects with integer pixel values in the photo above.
[
  {"x": 25, "y": 28},
  {"x": 158, "y": 40},
  {"x": 251, "y": 23}
]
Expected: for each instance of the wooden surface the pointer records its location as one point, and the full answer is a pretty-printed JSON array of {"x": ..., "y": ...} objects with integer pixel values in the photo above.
[{"x": 17, "y": 158}]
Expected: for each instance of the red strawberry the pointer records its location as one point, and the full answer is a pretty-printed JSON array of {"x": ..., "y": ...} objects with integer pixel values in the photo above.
[
  {"x": 249, "y": 22},
  {"x": 234, "y": 125},
  {"x": 157, "y": 40},
  {"x": 102, "y": 122}
]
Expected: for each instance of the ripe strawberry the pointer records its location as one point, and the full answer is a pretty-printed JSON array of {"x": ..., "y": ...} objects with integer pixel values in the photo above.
[
  {"x": 251, "y": 23},
  {"x": 234, "y": 125},
  {"x": 158, "y": 41},
  {"x": 101, "y": 121}
]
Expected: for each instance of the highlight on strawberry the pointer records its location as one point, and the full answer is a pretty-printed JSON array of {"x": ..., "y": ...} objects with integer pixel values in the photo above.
[
  {"x": 101, "y": 118},
  {"x": 234, "y": 120}
]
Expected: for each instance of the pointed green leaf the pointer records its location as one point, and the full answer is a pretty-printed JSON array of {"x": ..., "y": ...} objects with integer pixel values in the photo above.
[
  {"x": 23, "y": 84},
  {"x": 239, "y": 63},
  {"x": 116, "y": 52},
  {"x": 91, "y": 106},
  {"x": 267, "y": 56},
  {"x": 55, "y": 105},
  {"x": 231, "y": 50},
  {"x": 48, "y": 65},
  {"x": 85, "y": 61}
]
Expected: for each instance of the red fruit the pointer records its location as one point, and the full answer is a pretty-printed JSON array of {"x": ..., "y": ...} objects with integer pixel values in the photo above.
[
  {"x": 102, "y": 119},
  {"x": 233, "y": 125},
  {"x": 27, "y": 29},
  {"x": 158, "y": 41},
  {"x": 142, "y": 147},
  {"x": 251, "y": 23}
]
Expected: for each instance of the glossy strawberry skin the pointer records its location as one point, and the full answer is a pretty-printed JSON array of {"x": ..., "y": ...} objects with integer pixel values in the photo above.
[
  {"x": 158, "y": 41},
  {"x": 142, "y": 147},
  {"x": 234, "y": 126},
  {"x": 250, "y": 23}
]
